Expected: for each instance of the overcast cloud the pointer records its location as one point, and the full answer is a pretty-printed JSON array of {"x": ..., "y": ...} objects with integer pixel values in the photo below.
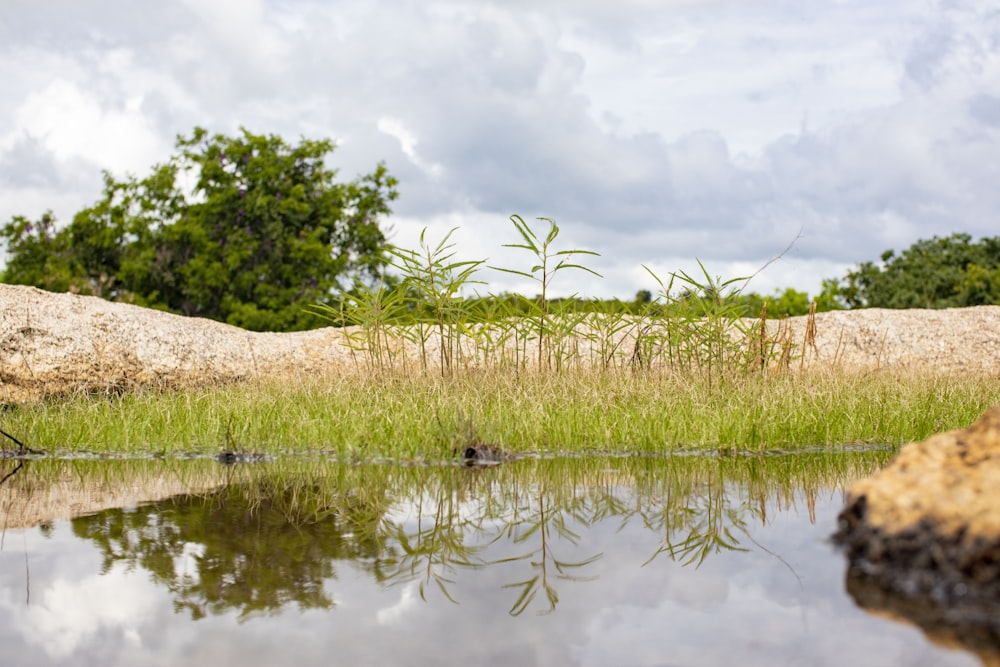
[{"x": 654, "y": 132}]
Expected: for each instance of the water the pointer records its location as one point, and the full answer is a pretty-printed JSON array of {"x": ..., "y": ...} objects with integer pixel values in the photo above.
[{"x": 595, "y": 561}]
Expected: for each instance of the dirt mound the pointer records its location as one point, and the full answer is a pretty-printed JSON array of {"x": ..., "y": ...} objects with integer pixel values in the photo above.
[{"x": 51, "y": 344}]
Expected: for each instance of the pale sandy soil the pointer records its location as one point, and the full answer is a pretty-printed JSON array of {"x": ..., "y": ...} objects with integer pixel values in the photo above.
[{"x": 54, "y": 343}]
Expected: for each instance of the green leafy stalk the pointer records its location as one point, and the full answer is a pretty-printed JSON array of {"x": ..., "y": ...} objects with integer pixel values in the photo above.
[
  {"x": 543, "y": 271},
  {"x": 435, "y": 281}
]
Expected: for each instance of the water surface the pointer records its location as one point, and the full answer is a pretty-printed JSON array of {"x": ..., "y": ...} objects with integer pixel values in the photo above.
[{"x": 590, "y": 561}]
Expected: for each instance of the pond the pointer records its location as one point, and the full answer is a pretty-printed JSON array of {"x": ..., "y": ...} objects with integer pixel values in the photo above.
[{"x": 679, "y": 560}]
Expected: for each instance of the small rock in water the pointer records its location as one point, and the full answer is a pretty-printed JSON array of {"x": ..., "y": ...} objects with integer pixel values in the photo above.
[
  {"x": 230, "y": 458},
  {"x": 483, "y": 454}
]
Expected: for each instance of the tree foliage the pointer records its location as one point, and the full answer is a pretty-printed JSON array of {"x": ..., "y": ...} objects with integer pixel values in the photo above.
[
  {"x": 261, "y": 547},
  {"x": 247, "y": 229},
  {"x": 944, "y": 272}
]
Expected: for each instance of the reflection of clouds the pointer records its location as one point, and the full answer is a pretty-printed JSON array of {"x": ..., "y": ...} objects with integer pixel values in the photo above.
[
  {"x": 699, "y": 591},
  {"x": 743, "y": 608},
  {"x": 186, "y": 563},
  {"x": 407, "y": 600},
  {"x": 69, "y": 614}
]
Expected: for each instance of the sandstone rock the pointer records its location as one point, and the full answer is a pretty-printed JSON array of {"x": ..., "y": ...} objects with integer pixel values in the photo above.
[
  {"x": 51, "y": 344},
  {"x": 959, "y": 340},
  {"x": 927, "y": 527}
]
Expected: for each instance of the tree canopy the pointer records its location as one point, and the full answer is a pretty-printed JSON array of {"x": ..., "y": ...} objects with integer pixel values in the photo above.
[
  {"x": 944, "y": 272},
  {"x": 247, "y": 230}
]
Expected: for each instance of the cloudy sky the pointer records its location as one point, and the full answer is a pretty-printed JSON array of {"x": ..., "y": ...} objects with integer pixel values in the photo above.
[{"x": 654, "y": 131}]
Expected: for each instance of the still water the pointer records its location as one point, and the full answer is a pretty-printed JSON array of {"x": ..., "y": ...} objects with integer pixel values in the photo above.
[{"x": 590, "y": 561}]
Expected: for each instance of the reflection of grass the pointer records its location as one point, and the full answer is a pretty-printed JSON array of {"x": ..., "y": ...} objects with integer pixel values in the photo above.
[
  {"x": 281, "y": 528},
  {"x": 361, "y": 417}
]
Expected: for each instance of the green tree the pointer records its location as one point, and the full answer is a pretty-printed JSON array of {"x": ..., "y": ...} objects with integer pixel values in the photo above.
[
  {"x": 938, "y": 273},
  {"x": 38, "y": 254},
  {"x": 830, "y": 296},
  {"x": 791, "y": 302},
  {"x": 247, "y": 229}
]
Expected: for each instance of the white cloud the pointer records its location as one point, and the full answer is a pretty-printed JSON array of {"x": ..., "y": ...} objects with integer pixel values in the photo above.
[
  {"x": 651, "y": 131},
  {"x": 72, "y": 124},
  {"x": 71, "y": 614},
  {"x": 407, "y": 143}
]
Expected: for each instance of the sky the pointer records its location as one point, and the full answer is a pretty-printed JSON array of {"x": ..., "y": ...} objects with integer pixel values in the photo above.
[{"x": 657, "y": 133}]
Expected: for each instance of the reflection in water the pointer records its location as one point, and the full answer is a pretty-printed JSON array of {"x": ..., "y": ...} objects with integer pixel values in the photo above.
[
  {"x": 974, "y": 626},
  {"x": 576, "y": 542},
  {"x": 269, "y": 537}
]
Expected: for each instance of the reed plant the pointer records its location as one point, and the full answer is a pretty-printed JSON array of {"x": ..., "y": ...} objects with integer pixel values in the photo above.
[
  {"x": 551, "y": 328},
  {"x": 695, "y": 324},
  {"x": 691, "y": 326},
  {"x": 434, "y": 281},
  {"x": 379, "y": 314}
]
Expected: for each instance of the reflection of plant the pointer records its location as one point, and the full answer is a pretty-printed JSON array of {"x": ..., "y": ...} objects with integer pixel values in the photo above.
[
  {"x": 706, "y": 528},
  {"x": 542, "y": 524},
  {"x": 16, "y": 464},
  {"x": 272, "y": 534},
  {"x": 433, "y": 553}
]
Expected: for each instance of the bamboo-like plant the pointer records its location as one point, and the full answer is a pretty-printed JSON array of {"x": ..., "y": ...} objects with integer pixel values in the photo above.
[
  {"x": 703, "y": 325},
  {"x": 695, "y": 324},
  {"x": 436, "y": 281},
  {"x": 379, "y": 311},
  {"x": 542, "y": 273}
]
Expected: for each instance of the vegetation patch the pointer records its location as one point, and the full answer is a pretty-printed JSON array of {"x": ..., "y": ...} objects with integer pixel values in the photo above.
[
  {"x": 441, "y": 369},
  {"x": 426, "y": 417}
]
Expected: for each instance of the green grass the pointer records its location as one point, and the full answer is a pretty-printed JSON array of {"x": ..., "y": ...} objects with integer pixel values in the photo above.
[
  {"x": 689, "y": 371},
  {"x": 418, "y": 416}
]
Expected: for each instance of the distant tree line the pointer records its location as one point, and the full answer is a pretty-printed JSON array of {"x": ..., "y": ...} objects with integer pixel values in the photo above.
[
  {"x": 255, "y": 232},
  {"x": 945, "y": 272}
]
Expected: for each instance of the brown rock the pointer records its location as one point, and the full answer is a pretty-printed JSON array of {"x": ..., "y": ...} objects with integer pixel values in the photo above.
[{"x": 927, "y": 527}]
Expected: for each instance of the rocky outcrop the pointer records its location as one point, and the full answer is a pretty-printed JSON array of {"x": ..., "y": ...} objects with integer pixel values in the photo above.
[
  {"x": 51, "y": 344},
  {"x": 927, "y": 528},
  {"x": 950, "y": 340}
]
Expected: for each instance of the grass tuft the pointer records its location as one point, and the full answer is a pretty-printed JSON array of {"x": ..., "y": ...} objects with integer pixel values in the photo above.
[{"x": 400, "y": 416}]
